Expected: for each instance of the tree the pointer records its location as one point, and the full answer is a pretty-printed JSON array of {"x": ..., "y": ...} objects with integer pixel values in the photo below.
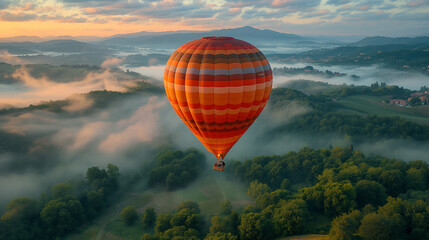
[
  {"x": 415, "y": 101},
  {"x": 416, "y": 179},
  {"x": 176, "y": 169},
  {"x": 291, "y": 217},
  {"x": 254, "y": 227},
  {"x": 376, "y": 226},
  {"x": 350, "y": 173},
  {"x": 220, "y": 236},
  {"x": 394, "y": 182},
  {"x": 175, "y": 231},
  {"x": 62, "y": 190},
  {"x": 172, "y": 181},
  {"x": 62, "y": 216},
  {"x": 234, "y": 219},
  {"x": 179, "y": 219},
  {"x": 112, "y": 170},
  {"x": 256, "y": 188},
  {"x": 314, "y": 196},
  {"x": 270, "y": 198},
  {"x": 22, "y": 220},
  {"x": 102, "y": 179},
  {"x": 345, "y": 226},
  {"x": 226, "y": 207},
  {"x": 339, "y": 197},
  {"x": 94, "y": 175},
  {"x": 162, "y": 223},
  {"x": 95, "y": 200},
  {"x": 129, "y": 215},
  {"x": 370, "y": 192},
  {"x": 220, "y": 224},
  {"x": 194, "y": 221},
  {"x": 190, "y": 205},
  {"x": 148, "y": 236},
  {"x": 149, "y": 217},
  {"x": 285, "y": 184}
]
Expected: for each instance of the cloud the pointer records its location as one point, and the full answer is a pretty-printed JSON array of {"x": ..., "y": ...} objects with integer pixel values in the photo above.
[
  {"x": 66, "y": 145},
  {"x": 16, "y": 17},
  {"x": 112, "y": 62},
  {"x": 6, "y": 57},
  {"x": 88, "y": 2},
  {"x": 142, "y": 126},
  {"x": 27, "y": 6},
  {"x": 294, "y": 16},
  {"x": 417, "y": 3},
  {"x": 45, "y": 89},
  {"x": 338, "y": 2},
  {"x": 4, "y": 4},
  {"x": 296, "y": 4},
  {"x": 78, "y": 103}
]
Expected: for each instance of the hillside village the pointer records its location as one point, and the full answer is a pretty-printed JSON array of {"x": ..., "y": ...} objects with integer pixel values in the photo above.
[{"x": 416, "y": 98}]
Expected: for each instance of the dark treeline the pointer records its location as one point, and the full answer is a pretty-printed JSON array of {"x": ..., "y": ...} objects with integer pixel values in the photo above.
[
  {"x": 174, "y": 169},
  {"x": 65, "y": 208},
  {"x": 370, "y": 126},
  {"x": 309, "y": 70},
  {"x": 376, "y": 89}
]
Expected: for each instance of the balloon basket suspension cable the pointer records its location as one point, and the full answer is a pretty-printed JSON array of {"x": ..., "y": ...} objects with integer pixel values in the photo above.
[{"x": 219, "y": 165}]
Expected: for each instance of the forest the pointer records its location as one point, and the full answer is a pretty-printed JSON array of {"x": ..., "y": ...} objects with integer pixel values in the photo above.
[{"x": 338, "y": 191}]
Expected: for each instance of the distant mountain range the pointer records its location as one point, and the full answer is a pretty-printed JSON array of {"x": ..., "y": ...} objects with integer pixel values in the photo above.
[
  {"x": 60, "y": 46},
  {"x": 270, "y": 39},
  {"x": 375, "y": 41},
  {"x": 37, "y": 39},
  {"x": 155, "y": 38},
  {"x": 176, "y": 39}
]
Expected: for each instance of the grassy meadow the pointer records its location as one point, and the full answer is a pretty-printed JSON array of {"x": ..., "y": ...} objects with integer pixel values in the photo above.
[{"x": 364, "y": 104}]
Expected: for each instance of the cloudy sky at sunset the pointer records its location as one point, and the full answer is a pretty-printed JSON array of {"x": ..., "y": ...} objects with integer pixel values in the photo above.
[{"x": 305, "y": 17}]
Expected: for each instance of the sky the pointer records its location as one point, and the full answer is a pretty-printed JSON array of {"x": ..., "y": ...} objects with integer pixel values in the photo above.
[{"x": 305, "y": 17}]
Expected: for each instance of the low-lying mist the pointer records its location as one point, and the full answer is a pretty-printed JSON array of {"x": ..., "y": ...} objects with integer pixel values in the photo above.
[
  {"x": 127, "y": 133},
  {"x": 368, "y": 75},
  {"x": 31, "y": 90}
]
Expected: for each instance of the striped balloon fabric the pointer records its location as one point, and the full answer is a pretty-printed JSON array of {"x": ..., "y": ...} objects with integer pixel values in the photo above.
[{"x": 218, "y": 86}]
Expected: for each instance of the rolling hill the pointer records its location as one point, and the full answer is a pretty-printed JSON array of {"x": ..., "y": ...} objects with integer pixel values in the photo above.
[
  {"x": 175, "y": 39},
  {"x": 378, "y": 40}
]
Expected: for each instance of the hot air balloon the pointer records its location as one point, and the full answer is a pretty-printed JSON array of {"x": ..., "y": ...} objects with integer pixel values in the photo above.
[{"x": 218, "y": 86}]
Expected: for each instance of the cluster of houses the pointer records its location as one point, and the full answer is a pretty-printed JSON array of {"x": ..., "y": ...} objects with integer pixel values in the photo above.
[{"x": 423, "y": 96}]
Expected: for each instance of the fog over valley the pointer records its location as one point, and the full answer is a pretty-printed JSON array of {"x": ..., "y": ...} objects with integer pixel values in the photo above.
[{"x": 62, "y": 144}]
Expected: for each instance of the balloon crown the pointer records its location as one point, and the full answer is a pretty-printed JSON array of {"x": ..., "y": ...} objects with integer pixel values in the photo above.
[{"x": 217, "y": 38}]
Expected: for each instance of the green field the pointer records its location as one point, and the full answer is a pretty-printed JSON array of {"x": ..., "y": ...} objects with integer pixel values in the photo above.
[
  {"x": 363, "y": 104},
  {"x": 208, "y": 191}
]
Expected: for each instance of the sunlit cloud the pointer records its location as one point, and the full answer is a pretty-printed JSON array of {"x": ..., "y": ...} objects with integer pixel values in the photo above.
[
  {"x": 44, "y": 89},
  {"x": 109, "y": 17}
]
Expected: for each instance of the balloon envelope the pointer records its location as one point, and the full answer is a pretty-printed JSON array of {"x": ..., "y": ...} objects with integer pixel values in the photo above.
[{"x": 218, "y": 86}]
